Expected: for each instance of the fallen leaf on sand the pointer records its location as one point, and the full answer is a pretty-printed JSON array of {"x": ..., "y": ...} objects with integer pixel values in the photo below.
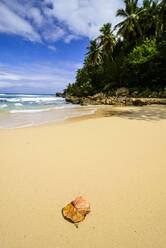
[{"x": 77, "y": 210}]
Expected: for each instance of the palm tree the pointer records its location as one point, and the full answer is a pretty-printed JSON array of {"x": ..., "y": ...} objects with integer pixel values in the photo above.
[
  {"x": 163, "y": 14},
  {"x": 129, "y": 28},
  {"x": 107, "y": 39},
  {"x": 107, "y": 43},
  {"x": 94, "y": 53},
  {"x": 93, "y": 60},
  {"x": 150, "y": 21}
]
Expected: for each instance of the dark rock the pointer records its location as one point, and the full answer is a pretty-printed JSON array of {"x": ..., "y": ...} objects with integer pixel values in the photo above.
[
  {"x": 58, "y": 94},
  {"x": 98, "y": 96},
  {"x": 155, "y": 94},
  {"x": 87, "y": 101},
  {"x": 73, "y": 99},
  {"x": 138, "y": 102},
  {"x": 134, "y": 93},
  {"x": 122, "y": 92}
]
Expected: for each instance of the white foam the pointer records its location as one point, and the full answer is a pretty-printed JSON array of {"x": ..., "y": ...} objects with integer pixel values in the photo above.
[
  {"x": 18, "y": 104},
  {"x": 32, "y": 99},
  {"x": 3, "y": 106},
  {"x": 40, "y": 110},
  {"x": 27, "y": 114},
  {"x": 38, "y": 99},
  {"x": 29, "y": 110}
]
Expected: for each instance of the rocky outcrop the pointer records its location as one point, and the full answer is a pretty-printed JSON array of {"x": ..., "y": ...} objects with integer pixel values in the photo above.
[
  {"x": 60, "y": 94},
  {"x": 147, "y": 101},
  {"x": 98, "y": 96},
  {"x": 122, "y": 92},
  {"x": 121, "y": 101},
  {"x": 82, "y": 100}
]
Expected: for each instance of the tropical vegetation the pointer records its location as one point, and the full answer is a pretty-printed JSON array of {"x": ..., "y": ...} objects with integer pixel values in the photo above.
[{"x": 131, "y": 55}]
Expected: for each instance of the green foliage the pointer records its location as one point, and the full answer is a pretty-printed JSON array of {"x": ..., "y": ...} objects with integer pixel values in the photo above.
[
  {"x": 94, "y": 56},
  {"x": 143, "y": 67},
  {"x": 107, "y": 39},
  {"x": 145, "y": 93},
  {"x": 136, "y": 58},
  {"x": 164, "y": 91},
  {"x": 130, "y": 28},
  {"x": 143, "y": 53},
  {"x": 76, "y": 90}
]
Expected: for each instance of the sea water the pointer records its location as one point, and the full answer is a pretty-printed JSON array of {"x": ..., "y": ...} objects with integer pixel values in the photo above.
[{"x": 22, "y": 110}]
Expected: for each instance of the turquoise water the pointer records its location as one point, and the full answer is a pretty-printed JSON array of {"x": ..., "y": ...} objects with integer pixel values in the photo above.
[
  {"x": 15, "y": 103},
  {"x": 21, "y": 110}
]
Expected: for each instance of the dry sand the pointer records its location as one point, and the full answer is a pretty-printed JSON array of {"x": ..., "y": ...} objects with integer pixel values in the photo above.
[{"x": 117, "y": 163}]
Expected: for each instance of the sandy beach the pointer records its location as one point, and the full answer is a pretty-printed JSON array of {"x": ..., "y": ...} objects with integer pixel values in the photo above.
[{"x": 117, "y": 162}]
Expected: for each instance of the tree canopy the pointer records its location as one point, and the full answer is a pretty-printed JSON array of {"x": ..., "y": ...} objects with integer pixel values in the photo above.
[{"x": 132, "y": 54}]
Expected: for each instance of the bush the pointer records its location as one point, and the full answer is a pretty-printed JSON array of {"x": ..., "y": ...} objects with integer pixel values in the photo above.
[
  {"x": 164, "y": 93},
  {"x": 143, "y": 67}
]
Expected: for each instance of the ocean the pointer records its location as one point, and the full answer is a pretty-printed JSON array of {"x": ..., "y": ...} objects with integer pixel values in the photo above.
[{"x": 23, "y": 110}]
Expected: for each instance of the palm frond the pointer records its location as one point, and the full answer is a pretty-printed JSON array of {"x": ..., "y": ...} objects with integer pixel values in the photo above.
[{"x": 121, "y": 13}]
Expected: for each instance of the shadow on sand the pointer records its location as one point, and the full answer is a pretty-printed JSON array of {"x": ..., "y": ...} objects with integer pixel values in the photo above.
[{"x": 147, "y": 113}]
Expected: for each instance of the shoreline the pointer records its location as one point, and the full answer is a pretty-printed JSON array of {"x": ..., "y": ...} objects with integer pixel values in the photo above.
[{"x": 158, "y": 112}]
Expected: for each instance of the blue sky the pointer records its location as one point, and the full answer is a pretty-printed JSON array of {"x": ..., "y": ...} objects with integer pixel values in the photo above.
[{"x": 43, "y": 42}]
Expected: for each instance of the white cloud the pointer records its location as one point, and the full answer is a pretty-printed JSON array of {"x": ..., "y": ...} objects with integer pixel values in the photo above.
[
  {"x": 53, "y": 34},
  {"x": 5, "y": 85},
  {"x": 12, "y": 23},
  {"x": 70, "y": 37},
  {"x": 66, "y": 20},
  {"x": 36, "y": 16},
  {"x": 45, "y": 77},
  {"x": 52, "y": 48},
  {"x": 7, "y": 76},
  {"x": 85, "y": 17}
]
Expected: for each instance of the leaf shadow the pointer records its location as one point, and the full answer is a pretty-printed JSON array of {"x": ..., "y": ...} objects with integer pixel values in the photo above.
[{"x": 146, "y": 113}]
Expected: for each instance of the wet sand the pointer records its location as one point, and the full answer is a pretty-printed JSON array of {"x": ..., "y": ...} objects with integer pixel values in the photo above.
[{"x": 116, "y": 161}]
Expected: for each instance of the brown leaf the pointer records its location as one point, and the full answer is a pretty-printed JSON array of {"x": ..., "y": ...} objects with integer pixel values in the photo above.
[{"x": 76, "y": 210}]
